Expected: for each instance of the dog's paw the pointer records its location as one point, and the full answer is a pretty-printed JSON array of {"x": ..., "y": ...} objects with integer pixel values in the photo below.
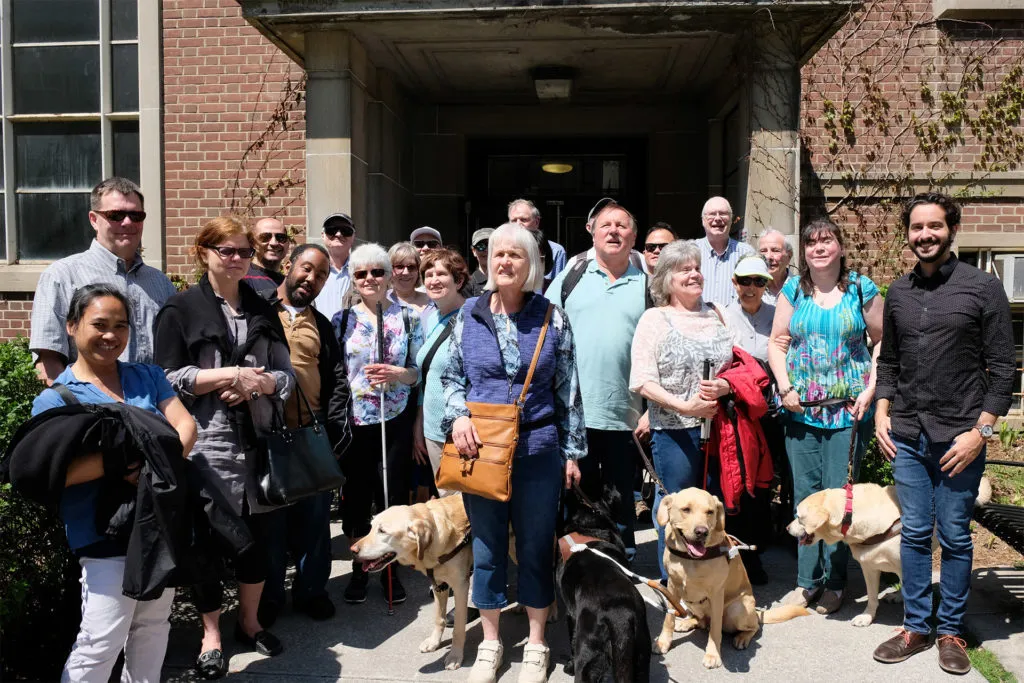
[
  {"x": 662, "y": 645},
  {"x": 570, "y": 668},
  {"x": 685, "y": 625},
  {"x": 712, "y": 661},
  {"x": 430, "y": 643},
  {"x": 742, "y": 639},
  {"x": 894, "y": 597},
  {"x": 863, "y": 619},
  {"x": 453, "y": 660}
]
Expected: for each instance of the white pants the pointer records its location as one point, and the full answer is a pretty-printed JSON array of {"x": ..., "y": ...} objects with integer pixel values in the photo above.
[{"x": 112, "y": 622}]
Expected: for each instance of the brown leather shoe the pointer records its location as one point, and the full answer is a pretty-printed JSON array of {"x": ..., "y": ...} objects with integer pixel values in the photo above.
[
  {"x": 903, "y": 645},
  {"x": 953, "y": 655}
]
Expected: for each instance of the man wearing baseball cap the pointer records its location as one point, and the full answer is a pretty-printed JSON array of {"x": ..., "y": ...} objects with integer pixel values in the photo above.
[
  {"x": 479, "y": 245},
  {"x": 425, "y": 239},
  {"x": 635, "y": 257},
  {"x": 339, "y": 232}
]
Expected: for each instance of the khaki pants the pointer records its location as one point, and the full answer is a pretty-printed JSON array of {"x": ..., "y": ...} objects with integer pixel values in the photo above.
[{"x": 434, "y": 449}]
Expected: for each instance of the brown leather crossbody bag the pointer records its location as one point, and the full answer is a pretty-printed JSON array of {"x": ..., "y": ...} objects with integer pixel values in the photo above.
[{"x": 488, "y": 474}]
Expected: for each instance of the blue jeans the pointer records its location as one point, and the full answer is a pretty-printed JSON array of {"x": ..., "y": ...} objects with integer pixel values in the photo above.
[
  {"x": 679, "y": 462},
  {"x": 818, "y": 459},
  {"x": 933, "y": 501},
  {"x": 537, "y": 482},
  {"x": 303, "y": 531}
]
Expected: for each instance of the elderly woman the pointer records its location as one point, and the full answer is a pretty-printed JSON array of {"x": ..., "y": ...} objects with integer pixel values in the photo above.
[
  {"x": 223, "y": 349},
  {"x": 670, "y": 345},
  {"x": 405, "y": 276},
  {"x": 368, "y": 375},
  {"x": 828, "y": 312},
  {"x": 493, "y": 341},
  {"x": 444, "y": 275},
  {"x": 749, "y": 318}
]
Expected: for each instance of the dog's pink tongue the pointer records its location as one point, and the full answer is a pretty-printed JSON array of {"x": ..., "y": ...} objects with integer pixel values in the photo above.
[{"x": 696, "y": 551}]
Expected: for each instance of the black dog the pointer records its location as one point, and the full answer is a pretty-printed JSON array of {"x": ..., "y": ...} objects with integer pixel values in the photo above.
[{"x": 606, "y": 616}]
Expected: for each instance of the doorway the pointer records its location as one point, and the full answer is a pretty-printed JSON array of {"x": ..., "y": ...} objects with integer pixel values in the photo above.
[{"x": 563, "y": 177}]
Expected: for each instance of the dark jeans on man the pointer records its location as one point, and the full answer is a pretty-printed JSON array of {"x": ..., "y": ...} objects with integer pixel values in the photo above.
[
  {"x": 301, "y": 531},
  {"x": 611, "y": 462}
]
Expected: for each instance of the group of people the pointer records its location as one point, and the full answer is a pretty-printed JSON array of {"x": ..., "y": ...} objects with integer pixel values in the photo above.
[{"x": 654, "y": 339}]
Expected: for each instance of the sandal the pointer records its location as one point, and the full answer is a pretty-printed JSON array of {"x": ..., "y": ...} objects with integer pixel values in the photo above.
[{"x": 211, "y": 665}]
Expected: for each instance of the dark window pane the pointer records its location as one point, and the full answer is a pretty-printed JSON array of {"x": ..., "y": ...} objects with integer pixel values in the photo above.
[
  {"x": 55, "y": 21},
  {"x": 51, "y": 226},
  {"x": 57, "y": 80},
  {"x": 57, "y": 155},
  {"x": 124, "y": 19},
  {"x": 125, "y": 72},
  {"x": 3, "y": 230},
  {"x": 126, "y": 149},
  {"x": 1, "y": 169}
]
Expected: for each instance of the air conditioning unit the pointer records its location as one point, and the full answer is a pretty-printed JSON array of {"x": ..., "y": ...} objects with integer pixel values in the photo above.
[{"x": 1010, "y": 268}]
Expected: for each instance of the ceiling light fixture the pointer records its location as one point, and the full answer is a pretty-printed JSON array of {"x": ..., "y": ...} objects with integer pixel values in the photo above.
[
  {"x": 553, "y": 82},
  {"x": 556, "y": 168}
]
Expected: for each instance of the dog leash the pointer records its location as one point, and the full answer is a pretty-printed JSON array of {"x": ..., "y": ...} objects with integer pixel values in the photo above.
[{"x": 649, "y": 466}]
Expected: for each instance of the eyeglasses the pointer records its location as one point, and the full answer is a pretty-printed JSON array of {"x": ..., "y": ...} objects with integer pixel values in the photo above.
[
  {"x": 652, "y": 247},
  {"x": 268, "y": 237},
  {"x": 426, "y": 244},
  {"x": 480, "y": 246},
  {"x": 119, "y": 216},
  {"x": 404, "y": 268},
  {"x": 345, "y": 230},
  {"x": 228, "y": 252},
  {"x": 375, "y": 272},
  {"x": 744, "y": 281}
]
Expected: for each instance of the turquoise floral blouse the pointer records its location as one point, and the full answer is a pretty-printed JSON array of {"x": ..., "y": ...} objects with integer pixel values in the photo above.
[{"x": 827, "y": 357}]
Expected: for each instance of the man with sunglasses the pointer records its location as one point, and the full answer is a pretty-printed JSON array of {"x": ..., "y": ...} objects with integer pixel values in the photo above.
[
  {"x": 272, "y": 242},
  {"x": 658, "y": 237},
  {"x": 116, "y": 214},
  {"x": 425, "y": 239},
  {"x": 481, "y": 239},
  {"x": 339, "y": 233}
]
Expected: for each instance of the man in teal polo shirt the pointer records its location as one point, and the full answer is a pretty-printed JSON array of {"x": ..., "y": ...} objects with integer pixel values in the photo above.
[{"x": 604, "y": 298}]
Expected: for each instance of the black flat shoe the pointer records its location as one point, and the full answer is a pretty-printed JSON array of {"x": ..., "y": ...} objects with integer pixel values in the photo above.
[
  {"x": 211, "y": 665},
  {"x": 264, "y": 642}
]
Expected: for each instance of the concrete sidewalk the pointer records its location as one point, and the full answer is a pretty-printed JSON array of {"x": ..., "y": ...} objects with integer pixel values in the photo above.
[{"x": 362, "y": 643}]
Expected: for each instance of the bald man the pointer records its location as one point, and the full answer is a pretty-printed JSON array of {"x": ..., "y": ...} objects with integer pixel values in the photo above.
[
  {"x": 719, "y": 253},
  {"x": 272, "y": 243}
]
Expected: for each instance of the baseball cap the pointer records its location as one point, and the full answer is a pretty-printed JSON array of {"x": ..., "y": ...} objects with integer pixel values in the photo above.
[
  {"x": 425, "y": 231},
  {"x": 752, "y": 266},
  {"x": 601, "y": 203},
  {"x": 482, "y": 234},
  {"x": 339, "y": 216}
]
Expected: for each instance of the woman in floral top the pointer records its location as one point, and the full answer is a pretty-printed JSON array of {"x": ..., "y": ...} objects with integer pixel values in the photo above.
[
  {"x": 492, "y": 343},
  {"x": 356, "y": 328},
  {"x": 825, "y": 312},
  {"x": 670, "y": 346}
]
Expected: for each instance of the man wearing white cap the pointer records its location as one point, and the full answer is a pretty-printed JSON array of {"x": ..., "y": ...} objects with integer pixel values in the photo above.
[
  {"x": 339, "y": 233},
  {"x": 748, "y": 316},
  {"x": 425, "y": 239}
]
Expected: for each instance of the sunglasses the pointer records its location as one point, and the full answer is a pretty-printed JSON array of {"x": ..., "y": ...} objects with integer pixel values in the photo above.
[
  {"x": 480, "y": 246},
  {"x": 652, "y": 247},
  {"x": 375, "y": 272},
  {"x": 404, "y": 268},
  {"x": 755, "y": 281},
  {"x": 426, "y": 244},
  {"x": 345, "y": 230},
  {"x": 228, "y": 252},
  {"x": 119, "y": 216},
  {"x": 268, "y": 237}
]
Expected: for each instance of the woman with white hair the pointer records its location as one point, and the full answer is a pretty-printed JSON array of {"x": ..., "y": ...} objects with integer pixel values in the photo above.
[
  {"x": 493, "y": 341},
  {"x": 356, "y": 329},
  {"x": 670, "y": 345}
]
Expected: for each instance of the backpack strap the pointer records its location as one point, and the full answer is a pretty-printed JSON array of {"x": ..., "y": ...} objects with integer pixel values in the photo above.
[
  {"x": 65, "y": 394},
  {"x": 445, "y": 333},
  {"x": 407, "y": 324},
  {"x": 573, "y": 277},
  {"x": 860, "y": 298}
]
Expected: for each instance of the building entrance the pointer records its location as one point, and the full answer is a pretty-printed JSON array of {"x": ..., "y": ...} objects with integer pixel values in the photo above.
[{"x": 563, "y": 177}]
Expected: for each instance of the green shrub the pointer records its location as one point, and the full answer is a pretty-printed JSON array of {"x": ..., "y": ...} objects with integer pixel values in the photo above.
[
  {"x": 39, "y": 610},
  {"x": 874, "y": 468}
]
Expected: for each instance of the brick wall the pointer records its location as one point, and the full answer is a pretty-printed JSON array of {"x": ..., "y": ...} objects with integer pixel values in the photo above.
[
  {"x": 223, "y": 82},
  {"x": 15, "y": 310}
]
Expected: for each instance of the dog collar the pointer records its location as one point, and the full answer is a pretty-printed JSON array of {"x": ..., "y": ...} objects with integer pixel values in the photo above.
[
  {"x": 848, "y": 512},
  {"x": 711, "y": 553}
]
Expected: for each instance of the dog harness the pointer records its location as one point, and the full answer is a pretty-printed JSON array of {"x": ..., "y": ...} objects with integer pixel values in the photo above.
[
  {"x": 568, "y": 543},
  {"x": 466, "y": 540},
  {"x": 893, "y": 531}
]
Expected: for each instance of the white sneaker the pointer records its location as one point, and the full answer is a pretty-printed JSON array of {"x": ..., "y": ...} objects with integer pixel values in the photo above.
[
  {"x": 488, "y": 660},
  {"x": 535, "y": 664}
]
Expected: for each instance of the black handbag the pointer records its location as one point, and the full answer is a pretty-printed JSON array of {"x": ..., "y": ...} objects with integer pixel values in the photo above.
[{"x": 297, "y": 463}]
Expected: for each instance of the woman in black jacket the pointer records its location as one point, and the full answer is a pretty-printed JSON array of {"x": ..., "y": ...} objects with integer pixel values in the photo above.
[{"x": 222, "y": 347}]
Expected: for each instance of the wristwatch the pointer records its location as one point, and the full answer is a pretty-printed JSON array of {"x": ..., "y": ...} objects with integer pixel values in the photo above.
[{"x": 986, "y": 431}]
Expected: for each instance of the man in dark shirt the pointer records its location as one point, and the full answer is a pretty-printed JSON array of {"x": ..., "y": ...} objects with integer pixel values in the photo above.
[
  {"x": 945, "y": 374},
  {"x": 478, "y": 279},
  {"x": 272, "y": 243}
]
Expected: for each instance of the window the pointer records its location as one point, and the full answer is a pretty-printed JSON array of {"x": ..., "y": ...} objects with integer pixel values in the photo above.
[{"x": 70, "y": 117}]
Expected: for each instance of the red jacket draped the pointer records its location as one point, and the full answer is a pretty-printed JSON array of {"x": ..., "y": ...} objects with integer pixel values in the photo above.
[{"x": 737, "y": 439}]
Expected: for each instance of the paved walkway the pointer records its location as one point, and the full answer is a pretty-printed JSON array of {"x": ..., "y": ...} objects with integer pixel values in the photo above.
[{"x": 362, "y": 643}]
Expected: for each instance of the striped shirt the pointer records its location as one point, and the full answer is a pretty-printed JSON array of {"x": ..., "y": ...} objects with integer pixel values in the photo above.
[
  {"x": 717, "y": 270},
  {"x": 331, "y": 298},
  {"x": 146, "y": 288}
]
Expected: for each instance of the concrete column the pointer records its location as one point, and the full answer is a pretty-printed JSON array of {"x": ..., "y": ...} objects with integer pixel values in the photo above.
[
  {"x": 773, "y": 177},
  {"x": 331, "y": 167}
]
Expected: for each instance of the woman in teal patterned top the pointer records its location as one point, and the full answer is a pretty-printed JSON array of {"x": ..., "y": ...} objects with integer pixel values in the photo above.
[{"x": 829, "y": 314}]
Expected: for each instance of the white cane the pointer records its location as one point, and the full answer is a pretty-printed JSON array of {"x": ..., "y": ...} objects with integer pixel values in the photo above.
[{"x": 383, "y": 436}]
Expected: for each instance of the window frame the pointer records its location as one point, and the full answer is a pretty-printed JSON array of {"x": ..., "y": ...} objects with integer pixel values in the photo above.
[{"x": 22, "y": 275}]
